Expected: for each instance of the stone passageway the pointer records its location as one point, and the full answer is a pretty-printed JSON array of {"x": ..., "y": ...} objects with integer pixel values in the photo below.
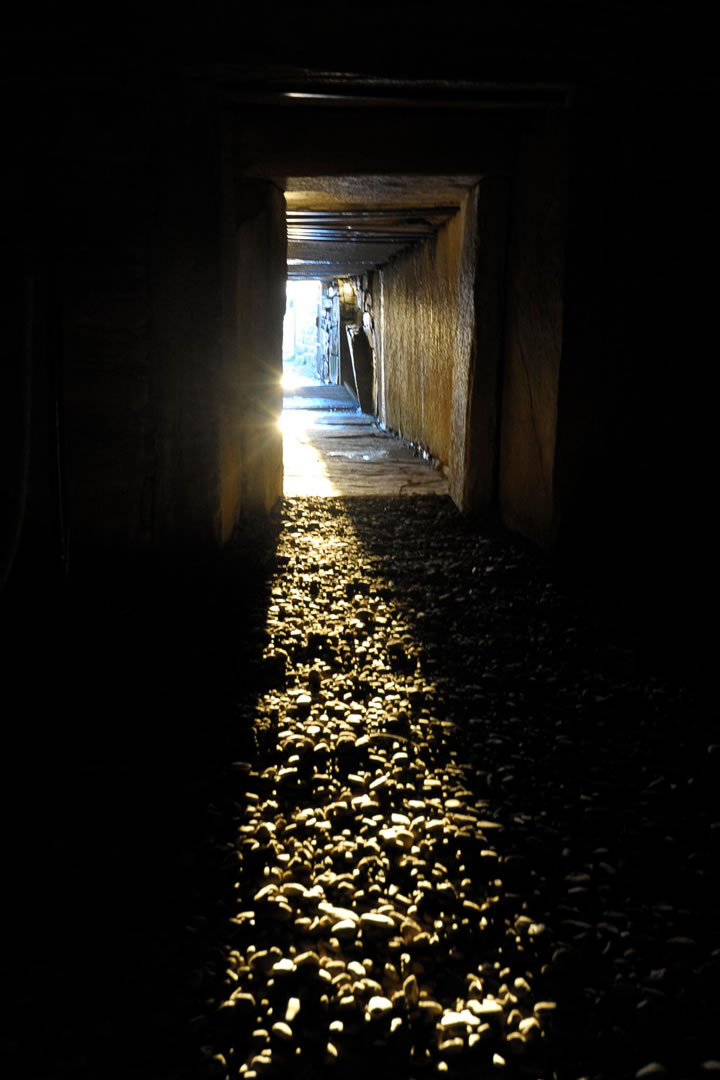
[
  {"x": 303, "y": 786},
  {"x": 331, "y": 448},
  {"x": 458, "y": 831}
]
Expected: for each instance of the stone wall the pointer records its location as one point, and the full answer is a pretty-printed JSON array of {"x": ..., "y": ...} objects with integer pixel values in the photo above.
[
  {"x": 329, "y": 348},
  {"x": 250, "y": 390},
  {"x": 219, "y": 301},
  {"x": 158, "y": 282},
  {"x": 534, "y": 331},
  {"x": 349, "y": 316},
  {"x": 364, "y": 288},
  {"x": 633, "y": 438},
  {"x": 475, "y": 489},
  {"x": 100, "y": 160},
  {"x": 427, "y": 305},
  {"x": 187, "y": 358}
]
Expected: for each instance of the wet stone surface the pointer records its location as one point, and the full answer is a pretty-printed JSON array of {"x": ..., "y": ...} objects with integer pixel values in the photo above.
[{"x": 461, "y": 834}]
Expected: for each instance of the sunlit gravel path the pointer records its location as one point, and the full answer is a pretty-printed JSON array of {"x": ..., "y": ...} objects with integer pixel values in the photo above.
[{"x": 461, "y": 834}]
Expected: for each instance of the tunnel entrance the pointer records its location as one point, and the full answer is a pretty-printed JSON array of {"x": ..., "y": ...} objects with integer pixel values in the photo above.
[
  {"x": 301, "y": 328},
  {"x": 333, "y": 444},
  {"x": 394, "y": 254},
  {"x": 312, "y": 394}
]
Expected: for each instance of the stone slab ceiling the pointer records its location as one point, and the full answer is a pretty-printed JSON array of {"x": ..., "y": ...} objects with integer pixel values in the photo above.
[{"x": 342, "y": 226}]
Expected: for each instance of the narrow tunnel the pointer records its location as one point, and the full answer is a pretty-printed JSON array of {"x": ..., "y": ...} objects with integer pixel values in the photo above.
[
  {"x": 412, "y": 770},
  {"x": 382, "y": 353}
]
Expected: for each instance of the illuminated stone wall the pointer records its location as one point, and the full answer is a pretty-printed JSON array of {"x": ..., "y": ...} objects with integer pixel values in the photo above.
[
  {"x": 249, "y": 398},
  {"x": 329, "y": 364},
  {"x": 471, "y": 338},
  {"x": 426, "y": 335}
]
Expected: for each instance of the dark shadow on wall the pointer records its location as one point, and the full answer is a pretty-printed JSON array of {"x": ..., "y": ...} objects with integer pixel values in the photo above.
[
  {"x": 362, "y": 368},
  {"x": 633, "y": 441}
]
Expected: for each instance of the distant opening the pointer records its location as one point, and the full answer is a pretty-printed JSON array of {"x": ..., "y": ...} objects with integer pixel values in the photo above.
[
  {"x": 332, "y": 442},
  {"x": 314, "y": 400},
  {"x": 301, "y": 333}
]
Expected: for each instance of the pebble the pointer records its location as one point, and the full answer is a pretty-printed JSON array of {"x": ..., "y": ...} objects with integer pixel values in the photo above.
[
  {"x": 292, "y": 1010},
  {"x": 283, "y": 967},
  {"x": 430, "y": 1008},
  {"x": 487, "y": 1010},
  {"x": 375, "y": 922},
  {"x": 307, "y": 960},
  {"x": 452, "y": 1047},
  {"x": 463, "y": 1019},
  {"x": 282, "y": 1031},
  {"x": 337, "y": 913},
  {"x": 387, "y": 762},
  {"x": 544, "y": 1008},
  {"x": 244, "y": 1001},
  {"x": 345, "y": 928},
  {"x": 378, "y": 1006},
  {"x": 411, "y": 991}
]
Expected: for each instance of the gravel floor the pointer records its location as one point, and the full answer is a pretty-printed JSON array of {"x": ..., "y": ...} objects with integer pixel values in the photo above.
[{"x": 457, "y": 831}]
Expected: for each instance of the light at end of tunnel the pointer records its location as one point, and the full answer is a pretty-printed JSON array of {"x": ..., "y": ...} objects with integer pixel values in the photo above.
[
  {"x": 347, "y": 290},
  {"x": 292, "y": 379},
  {"x": 294, "y": 422}
]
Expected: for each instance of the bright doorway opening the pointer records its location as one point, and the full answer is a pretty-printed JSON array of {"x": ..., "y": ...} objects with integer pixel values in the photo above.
[{"x": 300, "y": 334}]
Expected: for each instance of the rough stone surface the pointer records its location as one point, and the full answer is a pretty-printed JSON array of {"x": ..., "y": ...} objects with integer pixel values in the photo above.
[
  {"x": 531, "y": 371},
  {"x": 426, "y": 318},
  {"x": 504, "y": 869},
  {"x": 474, "y": 485},
  {"x": 330, "y": 448}
]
